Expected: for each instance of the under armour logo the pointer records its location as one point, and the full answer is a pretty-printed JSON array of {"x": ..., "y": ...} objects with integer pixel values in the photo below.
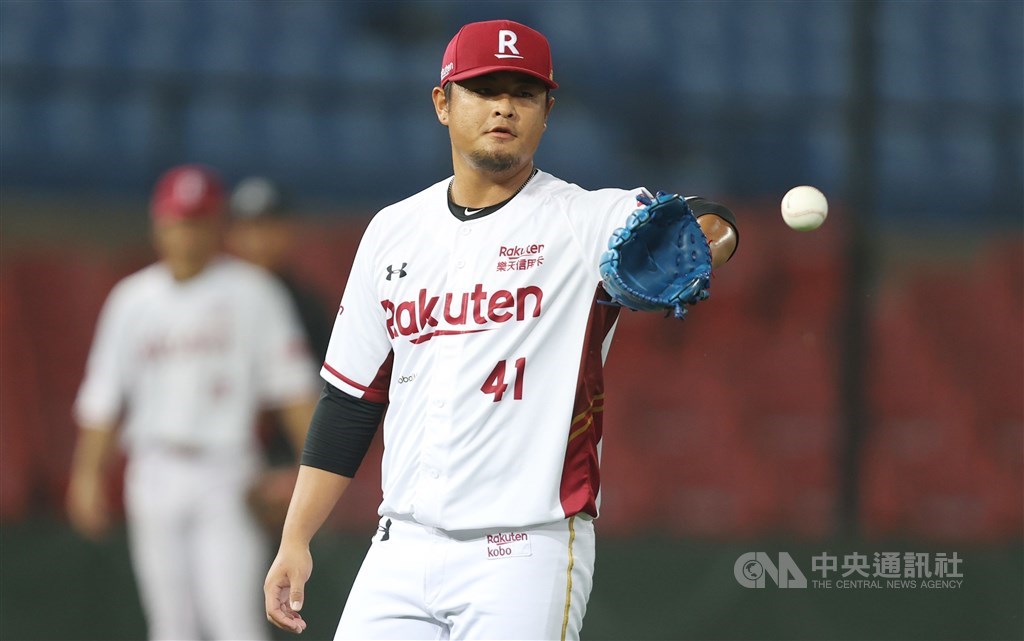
[
  {"x": 386, "y": 529},
  {"x": 400, "y": 271}
]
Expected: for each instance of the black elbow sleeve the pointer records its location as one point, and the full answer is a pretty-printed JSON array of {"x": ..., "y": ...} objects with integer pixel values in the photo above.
[{"x": 340, "y": 432}]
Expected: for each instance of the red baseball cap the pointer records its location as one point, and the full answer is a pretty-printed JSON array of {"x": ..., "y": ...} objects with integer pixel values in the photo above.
[
  {"x": 498, "y": 45},
  {"x": 188, "y": 192}
]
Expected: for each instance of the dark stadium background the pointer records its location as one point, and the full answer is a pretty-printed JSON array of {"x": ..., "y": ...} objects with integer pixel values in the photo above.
[{"x": 848, "y": 391}]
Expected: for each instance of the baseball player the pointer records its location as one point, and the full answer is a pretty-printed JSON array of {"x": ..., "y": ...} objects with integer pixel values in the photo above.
[
  {"x": 475, "y": 315},
  {"x": 186, "y": 352}
]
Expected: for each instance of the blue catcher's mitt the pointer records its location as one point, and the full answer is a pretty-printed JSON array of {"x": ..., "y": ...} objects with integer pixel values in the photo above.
[{"x": 660, "y": 259}]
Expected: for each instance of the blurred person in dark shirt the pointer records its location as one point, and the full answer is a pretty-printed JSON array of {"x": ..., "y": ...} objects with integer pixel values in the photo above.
[{"x": 263, "y": 232}]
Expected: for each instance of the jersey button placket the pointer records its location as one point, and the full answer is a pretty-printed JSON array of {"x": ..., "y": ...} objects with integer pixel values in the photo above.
[
  {"x": 427, "y": 501},
  {"x": 430, "y": 488},
  {"x": 447, "y": 353},
  {"x": 462, "y": 246}
]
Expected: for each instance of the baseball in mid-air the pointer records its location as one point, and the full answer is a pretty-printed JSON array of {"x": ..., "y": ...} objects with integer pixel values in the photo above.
[{"x": 804, "y": 208}]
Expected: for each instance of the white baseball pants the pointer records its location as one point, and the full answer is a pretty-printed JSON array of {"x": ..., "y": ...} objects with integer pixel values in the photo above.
[
  {"x": 419, "y": 582},
  {"x": 198, "y": 554}
]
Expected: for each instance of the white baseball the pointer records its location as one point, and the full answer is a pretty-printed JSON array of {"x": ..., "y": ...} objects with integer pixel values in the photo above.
[{"x": 804, "y": 208}]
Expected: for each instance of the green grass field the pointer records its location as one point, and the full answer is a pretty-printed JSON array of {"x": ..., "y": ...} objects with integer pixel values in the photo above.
[{"x": 55, "y": 586}]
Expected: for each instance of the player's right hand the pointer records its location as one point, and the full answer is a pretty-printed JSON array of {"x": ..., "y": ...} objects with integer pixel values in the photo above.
[
  {"x": 87, "y": 506},
  {"x": 283, "y": 589}
]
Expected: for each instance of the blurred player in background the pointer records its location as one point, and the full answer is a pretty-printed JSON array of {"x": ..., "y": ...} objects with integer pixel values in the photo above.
[
  {"x": 474, "y": 315},
  {"x": 186, "y": 352},
  {"x": 263, "y": 233}
]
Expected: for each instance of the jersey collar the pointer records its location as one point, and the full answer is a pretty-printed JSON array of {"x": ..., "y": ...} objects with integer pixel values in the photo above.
[{"x": 460, "y": 212}]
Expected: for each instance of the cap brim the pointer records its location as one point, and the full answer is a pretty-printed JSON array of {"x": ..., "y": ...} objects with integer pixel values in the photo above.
[{"x": 481, "y": 71}]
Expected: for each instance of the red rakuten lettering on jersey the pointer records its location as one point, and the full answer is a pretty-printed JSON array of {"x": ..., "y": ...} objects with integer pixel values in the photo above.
[{"x": 478, "y": 307}]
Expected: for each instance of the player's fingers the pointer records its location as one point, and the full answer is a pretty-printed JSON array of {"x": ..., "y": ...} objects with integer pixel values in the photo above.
[
  {"x": 277, "y": 592},
  {"x": 296, "y": 593},
  {"x": 282, "y": 616},
  {"x": 273, "y": 588}
]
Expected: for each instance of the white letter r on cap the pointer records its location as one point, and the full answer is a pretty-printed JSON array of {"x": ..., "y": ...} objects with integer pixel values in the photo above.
[{"x": 507, "y": 40}]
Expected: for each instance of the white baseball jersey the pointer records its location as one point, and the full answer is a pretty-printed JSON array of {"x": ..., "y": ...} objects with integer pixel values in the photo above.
[
  {"x": 192, "y": 362},
  {"x": 487, "y": 339}
]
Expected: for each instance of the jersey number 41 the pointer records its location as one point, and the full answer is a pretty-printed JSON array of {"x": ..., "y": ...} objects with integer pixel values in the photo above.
[{"x": 495, "y": 383}]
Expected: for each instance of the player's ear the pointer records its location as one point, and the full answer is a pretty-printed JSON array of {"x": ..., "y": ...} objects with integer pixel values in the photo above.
[
  {"x": 440, "y": 105},
  {"x": 547, "y": 110}
]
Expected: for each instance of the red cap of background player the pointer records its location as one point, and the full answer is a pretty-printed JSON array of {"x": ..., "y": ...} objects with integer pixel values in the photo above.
[
  {"x": 188, "y": 192},
  {"x": 498, "y": 45}
]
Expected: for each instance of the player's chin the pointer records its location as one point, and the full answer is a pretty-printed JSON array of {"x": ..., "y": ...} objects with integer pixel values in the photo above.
[{"x": 497, "y": 161}]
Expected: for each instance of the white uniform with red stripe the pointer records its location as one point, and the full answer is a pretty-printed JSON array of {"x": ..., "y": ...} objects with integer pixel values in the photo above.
[
  {"x": 486, "y": 338},
  {"x": 190, "y": 364}
]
